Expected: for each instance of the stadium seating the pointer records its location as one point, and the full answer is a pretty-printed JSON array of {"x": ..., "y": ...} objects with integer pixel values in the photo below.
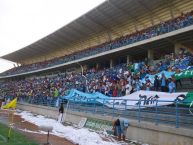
[
  {"x": 117, "y": 81},
  {"x": 180, "y": 22}
]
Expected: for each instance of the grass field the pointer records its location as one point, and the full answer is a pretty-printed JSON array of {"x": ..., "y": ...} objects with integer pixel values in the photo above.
[{"x": 16, "y": 138}]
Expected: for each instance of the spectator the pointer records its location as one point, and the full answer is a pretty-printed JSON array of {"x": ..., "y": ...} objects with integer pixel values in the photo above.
[
  {"x": 163, "y": 83},
  {"x": 61, "y": 113},
  {"x": 156, "y": 83},
  {"x": 128, "y": 89},
  {"x": 120, "y": 126},
  {"x": 117, "y": 129},
  {"x": 171, "y": 86},
  {"x": 124, "y": 123},
  {"x": 178, "y": 80},
  {"x": 148, "y": 85},
  {"x": 137, "y": 84}
]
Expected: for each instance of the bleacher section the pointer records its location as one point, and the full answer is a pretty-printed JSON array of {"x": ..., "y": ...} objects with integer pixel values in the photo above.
[
  {"x": 122, "y": 48},
  {"x": 165, "y": 27},
  {"x": 117, "y": 81}
]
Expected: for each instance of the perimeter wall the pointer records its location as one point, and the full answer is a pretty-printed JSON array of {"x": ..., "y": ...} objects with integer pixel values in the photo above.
[{"x": 146, "y": 132}]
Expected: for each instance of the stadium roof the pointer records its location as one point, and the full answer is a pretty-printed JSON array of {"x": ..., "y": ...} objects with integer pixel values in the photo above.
[{"x": 101, "y": 18}]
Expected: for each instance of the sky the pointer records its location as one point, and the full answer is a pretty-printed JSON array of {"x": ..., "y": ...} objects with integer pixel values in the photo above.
[{"x": 23, "y": 22}]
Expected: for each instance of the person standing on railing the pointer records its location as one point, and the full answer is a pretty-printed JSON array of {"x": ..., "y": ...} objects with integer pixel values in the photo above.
[{"x": 61, "y": 113}]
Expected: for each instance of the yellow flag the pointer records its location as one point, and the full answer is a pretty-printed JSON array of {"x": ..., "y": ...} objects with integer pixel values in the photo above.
[{"x": 11, "y": 104}]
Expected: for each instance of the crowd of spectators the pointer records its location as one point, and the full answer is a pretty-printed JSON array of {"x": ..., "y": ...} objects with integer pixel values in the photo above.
[
  {"x": 118, "y": 81},
  {"x": 164, "y": 27}
]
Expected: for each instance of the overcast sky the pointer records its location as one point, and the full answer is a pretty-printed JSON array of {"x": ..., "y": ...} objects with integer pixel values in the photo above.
[{"x": 23, "y": 22}]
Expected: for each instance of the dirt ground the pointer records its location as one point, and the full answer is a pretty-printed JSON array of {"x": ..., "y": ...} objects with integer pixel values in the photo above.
[{"x": 20, "y": 124}]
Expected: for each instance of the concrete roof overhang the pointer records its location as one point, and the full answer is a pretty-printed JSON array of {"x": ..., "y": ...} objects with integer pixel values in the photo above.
[{"x": 99, "y": 19}]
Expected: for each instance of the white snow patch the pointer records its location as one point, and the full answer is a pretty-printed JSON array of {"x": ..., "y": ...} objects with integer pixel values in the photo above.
[
  {"x": 35, "y": 132},
  {"x": 81, "y": 136}
]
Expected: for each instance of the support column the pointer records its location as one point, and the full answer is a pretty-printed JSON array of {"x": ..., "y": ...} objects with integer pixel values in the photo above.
[
  {"x": 129, "y": 59},
  {"x": 97, "y": 66},
  {"x": 111, "y": 63},
  {"x": 150, "y": 55},
  {"x": 177, "y": 47},
  {"x": 85, "y": 67}
]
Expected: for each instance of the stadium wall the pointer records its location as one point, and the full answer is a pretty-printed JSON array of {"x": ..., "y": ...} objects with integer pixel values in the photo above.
[{"x": 145, "y": 131}]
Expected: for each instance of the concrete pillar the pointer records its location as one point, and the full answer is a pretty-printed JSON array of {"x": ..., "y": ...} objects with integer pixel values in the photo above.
[
  {"x": 177, "y": 47},
  {"x": 111, "y": 63},
  {"x": 129, "y": 59},
  {"x": 85, "y": 67},
  {"x": 150, "y": 55},
  {"x": 97, "y": 66}
]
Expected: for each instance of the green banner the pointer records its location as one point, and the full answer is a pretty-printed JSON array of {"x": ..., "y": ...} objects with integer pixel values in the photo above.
[
  {"x": 184, "y": 74},
  {"x": 189, "y": 98},
  {"x": 100, "y": 125}
]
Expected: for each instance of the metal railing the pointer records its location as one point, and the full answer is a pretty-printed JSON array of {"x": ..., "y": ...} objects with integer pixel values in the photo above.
[{"x": 172, "y": 113}]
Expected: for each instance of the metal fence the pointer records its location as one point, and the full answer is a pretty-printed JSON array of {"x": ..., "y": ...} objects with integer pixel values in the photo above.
[{"x": 174, "y": 113}]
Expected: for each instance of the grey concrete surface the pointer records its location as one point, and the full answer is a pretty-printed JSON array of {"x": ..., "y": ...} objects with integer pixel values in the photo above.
[{"x": 144, "y": 131}]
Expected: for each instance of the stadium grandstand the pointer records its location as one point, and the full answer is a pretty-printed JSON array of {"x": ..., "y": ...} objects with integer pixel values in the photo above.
[
  {"x": 109, "y": 35},
  {"x": 107, "y": 30},
  {"x": 117, "y": 49}
]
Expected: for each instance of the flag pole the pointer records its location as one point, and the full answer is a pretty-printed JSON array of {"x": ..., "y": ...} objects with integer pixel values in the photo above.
[
  {"x": 10, "y": 126},
  {"x": 12, "y": 104}
]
